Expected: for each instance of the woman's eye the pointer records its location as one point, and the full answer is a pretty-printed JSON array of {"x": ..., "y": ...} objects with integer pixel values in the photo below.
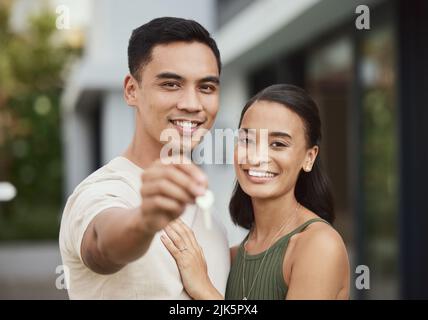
[{"x": 278, "y": 144}]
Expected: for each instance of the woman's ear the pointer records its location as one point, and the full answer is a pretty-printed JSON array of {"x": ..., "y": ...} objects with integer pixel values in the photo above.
[
  {"x": 130, "y": 86},
  {"x": 311, "y": 155}
]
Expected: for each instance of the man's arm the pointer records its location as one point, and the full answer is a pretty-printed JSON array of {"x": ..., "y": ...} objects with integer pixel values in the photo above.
[
  {"x": 118, "y": 236},
  {"x": 113, "y": 239}
]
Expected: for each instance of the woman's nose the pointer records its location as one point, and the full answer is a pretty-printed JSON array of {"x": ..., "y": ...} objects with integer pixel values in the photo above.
[{"x": 257, "y": 156}]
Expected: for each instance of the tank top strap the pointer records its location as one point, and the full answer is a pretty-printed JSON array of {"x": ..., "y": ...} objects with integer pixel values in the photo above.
[
  {"x": 303, "y": 226},
  {"x": 284, "y": 239}
]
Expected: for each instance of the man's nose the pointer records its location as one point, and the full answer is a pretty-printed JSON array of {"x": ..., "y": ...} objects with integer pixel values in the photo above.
[{"x": 190, "y": 101}]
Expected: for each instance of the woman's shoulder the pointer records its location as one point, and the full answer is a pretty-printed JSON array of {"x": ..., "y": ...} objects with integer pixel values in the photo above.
[
  {"x": 318, "y": 243},
  {"x": 318, "y": 257},
  {"x": 319, "y": 235}
]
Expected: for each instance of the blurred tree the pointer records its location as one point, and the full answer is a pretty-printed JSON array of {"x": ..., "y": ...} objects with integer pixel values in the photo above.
[{"x": 32, "y": 68}]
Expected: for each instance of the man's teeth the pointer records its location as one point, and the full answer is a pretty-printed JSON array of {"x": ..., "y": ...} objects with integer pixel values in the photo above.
[
  {"x": 261, "y": 174},
  {"x": 186, "y": 124}
]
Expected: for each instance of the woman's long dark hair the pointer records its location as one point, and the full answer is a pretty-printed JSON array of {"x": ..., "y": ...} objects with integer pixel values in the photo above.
[{"x": 312, "y": 188}]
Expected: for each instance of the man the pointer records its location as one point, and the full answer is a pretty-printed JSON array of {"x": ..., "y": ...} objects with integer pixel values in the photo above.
[{"x": 111, "y": 225}]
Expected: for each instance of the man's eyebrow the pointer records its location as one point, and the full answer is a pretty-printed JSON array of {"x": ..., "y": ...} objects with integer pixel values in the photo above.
[
  {"x": 172, "y": 75},
  {"x": 248, "y": 131},
  {"x": 169, "y": 75},
  {"x": 213, "y": 79}
]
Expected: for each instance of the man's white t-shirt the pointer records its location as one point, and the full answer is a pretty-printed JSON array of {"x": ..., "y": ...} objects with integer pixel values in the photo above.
[{"x": 153, "y": 276}]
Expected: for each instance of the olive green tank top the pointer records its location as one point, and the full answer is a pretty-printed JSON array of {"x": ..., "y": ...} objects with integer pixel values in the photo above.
[{"x": 269, "y": 283}]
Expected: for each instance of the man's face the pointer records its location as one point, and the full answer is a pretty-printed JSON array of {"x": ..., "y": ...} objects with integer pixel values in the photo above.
[{"x": 179, "y": 91}]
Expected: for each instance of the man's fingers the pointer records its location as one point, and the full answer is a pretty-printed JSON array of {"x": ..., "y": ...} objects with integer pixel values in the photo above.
[
  {"x": 172, "y": 207},
  {"x": 175, "y": 175},
  {"x": 184, "y": 180},
  {"x": 186, "y": 165},
  {"x": 168, "y": 189},
  {"x": 195, "y": 172}
]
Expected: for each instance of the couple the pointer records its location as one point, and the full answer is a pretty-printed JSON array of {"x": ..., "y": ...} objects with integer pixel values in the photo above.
[{"x": 131, "y": 230}]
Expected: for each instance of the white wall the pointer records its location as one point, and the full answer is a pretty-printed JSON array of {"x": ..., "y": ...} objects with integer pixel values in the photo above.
[
  {"x": 117, "y": 125},
  {"x": 78, "y": 149}
]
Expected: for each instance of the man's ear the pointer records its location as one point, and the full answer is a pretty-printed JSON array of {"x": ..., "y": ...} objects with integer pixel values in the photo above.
[
  {"x": 130, "y": 86},
  {"x": 311, "y": 155}
]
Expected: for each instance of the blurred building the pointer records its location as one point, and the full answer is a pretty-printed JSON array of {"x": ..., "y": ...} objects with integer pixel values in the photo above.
[{"x": 371, "y": 86}]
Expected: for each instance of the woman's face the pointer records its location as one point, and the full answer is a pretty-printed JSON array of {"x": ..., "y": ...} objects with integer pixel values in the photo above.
[{"x": 271, "y": 150}]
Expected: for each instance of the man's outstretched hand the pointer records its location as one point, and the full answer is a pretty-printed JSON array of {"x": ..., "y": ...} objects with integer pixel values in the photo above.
[
  {"x": 166, "y": 190},
  {"x": 118, "y": 236}
]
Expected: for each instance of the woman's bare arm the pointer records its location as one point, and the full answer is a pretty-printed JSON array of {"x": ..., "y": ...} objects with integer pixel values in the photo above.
[{"x": 320, "y": 268}]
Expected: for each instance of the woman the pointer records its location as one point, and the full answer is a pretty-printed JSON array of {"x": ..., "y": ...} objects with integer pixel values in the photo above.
[{"x": 283, "y": 198}]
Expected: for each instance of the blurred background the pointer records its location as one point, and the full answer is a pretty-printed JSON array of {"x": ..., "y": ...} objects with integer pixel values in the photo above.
[{"x": 62, "y": 116}]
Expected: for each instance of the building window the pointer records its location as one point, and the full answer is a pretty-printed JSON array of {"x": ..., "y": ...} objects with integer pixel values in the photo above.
[{"x": 379, "y": 160}]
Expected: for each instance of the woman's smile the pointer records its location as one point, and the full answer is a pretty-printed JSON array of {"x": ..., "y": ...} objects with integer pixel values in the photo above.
[{"x": 259, "y": 176}]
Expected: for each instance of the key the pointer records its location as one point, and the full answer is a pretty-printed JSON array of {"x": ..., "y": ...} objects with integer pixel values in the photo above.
[{"x": 205, "y": 202}]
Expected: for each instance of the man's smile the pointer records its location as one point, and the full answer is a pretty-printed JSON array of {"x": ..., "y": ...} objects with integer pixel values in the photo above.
[{"x": 186, "y": 125}]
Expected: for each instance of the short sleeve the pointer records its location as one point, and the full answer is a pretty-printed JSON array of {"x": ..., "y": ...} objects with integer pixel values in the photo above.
[{"x": 87, "y": 202}]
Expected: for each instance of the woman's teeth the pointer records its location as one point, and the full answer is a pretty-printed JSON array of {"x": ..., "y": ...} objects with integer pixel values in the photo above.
[{"x": 261, "y": 174}]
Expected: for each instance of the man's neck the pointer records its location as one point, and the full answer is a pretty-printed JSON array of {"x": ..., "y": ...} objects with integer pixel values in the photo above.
[{"x": 143, "y": 150}]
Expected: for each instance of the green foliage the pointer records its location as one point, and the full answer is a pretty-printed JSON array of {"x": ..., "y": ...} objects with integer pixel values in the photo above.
[{"x": 32, "y": 66}]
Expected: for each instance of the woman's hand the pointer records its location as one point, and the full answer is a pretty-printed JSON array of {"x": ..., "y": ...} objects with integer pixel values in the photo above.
[{"x": 182, "y": 245}]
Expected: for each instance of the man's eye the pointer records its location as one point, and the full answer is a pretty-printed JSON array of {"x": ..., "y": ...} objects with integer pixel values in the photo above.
[
  {"x": 245, "y": 141},
  {"x": 207, "y": 88},
  {"x": 170, "y": 85}
]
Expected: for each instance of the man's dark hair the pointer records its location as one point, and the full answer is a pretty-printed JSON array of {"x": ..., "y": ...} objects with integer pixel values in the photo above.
[{"x": 163, "y": 31}]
